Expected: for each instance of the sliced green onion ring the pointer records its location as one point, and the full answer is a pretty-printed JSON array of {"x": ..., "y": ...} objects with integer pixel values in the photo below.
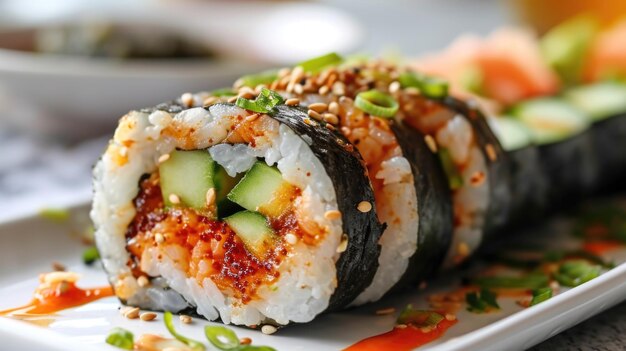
[
  {"x": 265, "y": 102},
  {"x": 376, "y": 103},
  {"x": 419, "y": 318},
  {"x": 252, "y": 80},
  {"x": 575, "y": 272},
  {"x": 169, "y": 324},
  {"x": 431, "y": 87},
  {"x": 55, "y": 214},
  {"x": 250, "y": 105},
  {"x": 316, "y": 64},
  {"x": 90, "y": 255},
  {"x": 540, "y": 295},
  {"x": 121, "y": 338},
  {"x": 221, "y": 337}
]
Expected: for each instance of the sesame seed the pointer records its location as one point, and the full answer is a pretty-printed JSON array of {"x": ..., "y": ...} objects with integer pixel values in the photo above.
[
  {"x": 174, "y": 199},
  {"x": 187, "y": 99},
  {"x": 298, "y": 89},
  {"x": 430, "y": 142},
  {"x": 364, "y": 206},
  {"x": 159, "y": 238},
  {"x": 491, "y": 152},
  {"x": 554, "y": 285},
  {"x": 210, "y": 196},
  {"x": 125, "y": 309},
  {"x": 284, "y": 72},
  {"x": 291, "y": 239},
  {"x": 330, "y": 126},
  {"x": 345, "y": 100},
  {"x": 268, "y": 329},
  {"x": 314, "y": 114},
  {"x": 132, "y": 313},
  {"x": 253, "y": 117},
  {"x": 426, "y": 329},
  {"x": 185, "y": 319},
  {"x": 385, "y": 311},
  {"x": 330, "y": 118},
  {"x": 401, "y": 326},
  {"x": 232, "y": 99},
  {"x": 332, "y": 215},
  {"x": 394, "y": 87},
  {"x": 463, "y": 249},
  {"x": 290, "y": 87},
  {"x": 58, "y": 267},
  {"x": 309, "y": 121},
  {"x": 324, "y": 90},
  {"x": 339, "y": 88},
  {"x": 143, "y": 281},
  {"x": 164, "y": 158},
  {"x": 297, "y": 73},
  {"x": 318, "y": 107},
  {"x": 343, "y": 245},
  {"x": 245, "y": 341},
  {"x": 210, "y": 101},
  {"x": 450, "y": 317},
  {"x": 292, "y": 102},
  {"x": 148, "y": 316},
  {"x": 346, "y": 131},
  {"x": 477, "y": 178},
  {"x": 412, "y": 91},
  {"x": 333, "y": 108}
]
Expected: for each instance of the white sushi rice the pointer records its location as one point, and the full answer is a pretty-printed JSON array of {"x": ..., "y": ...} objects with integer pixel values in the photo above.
[
  {"x": 470, "y": 201},
  {"x": 307, "y": 274}
]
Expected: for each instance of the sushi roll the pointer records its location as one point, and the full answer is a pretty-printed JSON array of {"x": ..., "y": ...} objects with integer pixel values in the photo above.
[{"x": 237, "y": 215}]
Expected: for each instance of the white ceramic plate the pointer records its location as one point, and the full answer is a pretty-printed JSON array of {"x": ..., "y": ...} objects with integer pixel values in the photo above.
[{"x": 29, "y": 245}]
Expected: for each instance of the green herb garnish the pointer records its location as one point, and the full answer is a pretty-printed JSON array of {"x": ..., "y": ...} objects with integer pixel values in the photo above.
[
  {"x": 223, "y": 92},
  {"x": 431, "y": 87},
  {"x": 419, "y": 318},
  {"x": 481, "y": 302},
  {"x": 540, "y": 295},
  {"x": 55, "y": 214},
  {"x": 455, "y": 179},
  {"x": 121, "y": 338},
  {"x": 575, "y": 272},
  {"x": 226, "y": 340},
  {"x": 252, "y": 80},
  {"x": 90, "y": 255},
  {"x": 316, "y": 64},
  {"x": 530, "y": 281},
  {"x": 377, "y": 103},
  {"x": 265, "y": 102},
  {"x": 169, "y": 324}
]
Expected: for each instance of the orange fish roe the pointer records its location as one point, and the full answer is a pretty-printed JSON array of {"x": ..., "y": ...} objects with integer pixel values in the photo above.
[{"x": 210, "y": 249}]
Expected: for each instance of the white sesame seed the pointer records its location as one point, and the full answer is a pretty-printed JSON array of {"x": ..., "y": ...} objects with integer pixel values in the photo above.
[
  {"x": 253, "y": 117},
  {"x": 123, "y": 151},
  {"x": 185, "y": 319},
  {"x": 491, "y": 152},
  {"x": 394, "y": 87},
  {"x": 164, "y": 158},
  {"x": 148, "y": 316},
  {"x": 268, "y": 329},
  {"x": 174, "y": 199},
  {"x": 125, "y": 309},
  {"x": 343, "y": 245},
  {"x": 330, "y": 118},
  {"x": 426, "y": 329},
  {"x": 210, "y": 100},
  {"x": 332, "y": 215},
  {"x": 431, "y": 143},
  {"x": 292, "y": 102},
  {"x": 291, "y": 239},
  {"x": 333, "y": 108},
  {"x": 298, "y": 89},
  {"x": 143, "y": 281},
  {"x": 364, "y": 206},
  {"x": 318, "y": 107},
  {"x": 339, "y": 88},
  {"x": 159, "y": 238},
  {"x": 187, "y": 99},
  {"x": 132, "y": 313},
  {"x": 210, "y": 196},
  {"x": 385, "y": 311},
  {"x": 401, "y": 326},
  {"x": 314, "y": 114},
  {"x": 324, "y": 90},
  {"x": 450, "y": 316}
]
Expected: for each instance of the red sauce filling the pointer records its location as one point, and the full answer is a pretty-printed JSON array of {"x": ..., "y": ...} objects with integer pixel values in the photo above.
[
  {"x": 402, "y": 339},
  {"x": 202, "y": 247},
  {"x": 51, "y": 298}
]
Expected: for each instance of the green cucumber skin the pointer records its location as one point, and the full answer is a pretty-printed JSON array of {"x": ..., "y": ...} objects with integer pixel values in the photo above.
[
  {"x": 252, "y": 228},
  {"x": 599, "y": 101},
  {"x": 188, "y": 175}
]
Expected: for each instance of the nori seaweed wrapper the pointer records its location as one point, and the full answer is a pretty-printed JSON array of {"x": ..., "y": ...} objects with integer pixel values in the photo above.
[
  {"x": 499, "y": 168},
  {"x": 434, "y": 204},
  {"x": 345, "y": 167},
  {"x": 609, "y": 143}
]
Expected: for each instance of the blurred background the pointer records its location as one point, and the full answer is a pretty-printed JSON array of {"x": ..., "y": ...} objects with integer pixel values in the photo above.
[{"x": 70, "y": 68}]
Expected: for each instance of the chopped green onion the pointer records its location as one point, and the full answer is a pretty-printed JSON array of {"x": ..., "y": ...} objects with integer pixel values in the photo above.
[
  {"x": 223, "y": 92},
  {"x": 121, "y": 338},
  {"x": 265, "y": 102},
  {"x": 431, "y": 87},
  {"x": 316, "y": 64},
  {"x": 55, "y": 214},
  {"x": 419, "y": 318},
  {"x": 221, "y": 337},
  {"x": 481, "y": 302},
  {"x": 169, "y": 324},
  {"x": 575, "y": 272},
  {"x": 90, "y": 255},
  {"x": 252, "y": 80},
  {"x": 454, "y": 176},
  {"x": 540, "y": 295},
  {"x": 531, "y": 281},
  {"x": 376, "y": 103}
]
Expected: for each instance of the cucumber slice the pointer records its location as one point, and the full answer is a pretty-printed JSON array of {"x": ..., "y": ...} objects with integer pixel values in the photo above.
[
  {"x": 550, "y": 120},
  {"x": 263, "y": 190},
  {"x": 455, "y": 179},
  {"x": 224, "y": 184},
  {"x": 188, "y": 175},
  {"x": 512, "y": 134},
  {"x": 252, "y": 228},
  {"x": 564, "y": 46},
  {"x": 600, "y": 100}
]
